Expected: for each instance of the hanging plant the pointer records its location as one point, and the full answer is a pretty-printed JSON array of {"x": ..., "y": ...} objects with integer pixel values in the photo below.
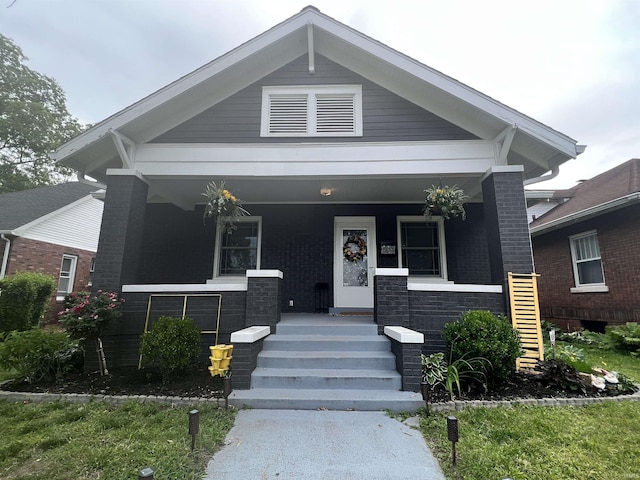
[
  {"x": 444, "y": 201},
  {"x": 355, "y": 248},
  {"x": 221, "y": 203}
]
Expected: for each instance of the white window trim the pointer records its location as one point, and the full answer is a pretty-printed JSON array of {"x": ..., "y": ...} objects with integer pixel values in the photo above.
[
  {"x": 72, "y": 274},
  {"x": 216, "y": 258},
  {"x": 441, "y": 239},
  {"x": 585, "y": 287},
  {"x": 311, "y": 91}
]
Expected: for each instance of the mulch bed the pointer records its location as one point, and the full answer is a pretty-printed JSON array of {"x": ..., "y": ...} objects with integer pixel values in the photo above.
[{"x": 199, "y": 383}]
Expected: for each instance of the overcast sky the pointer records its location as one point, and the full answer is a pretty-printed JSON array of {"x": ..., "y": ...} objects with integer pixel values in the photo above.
[{"x": 571, "y": 64}]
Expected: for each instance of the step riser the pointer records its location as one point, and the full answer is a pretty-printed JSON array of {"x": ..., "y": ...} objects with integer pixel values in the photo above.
[
  {"x": 371, "y": 363},
  {"x": 327, "y": 330},
  {"x": 282, "y": 343},
  {"x": 312, "y": 382},
  {"x": 316, "y": 404}
]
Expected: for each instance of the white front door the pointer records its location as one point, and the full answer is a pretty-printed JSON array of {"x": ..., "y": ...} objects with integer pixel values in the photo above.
[{"x": 354, "y": 261}]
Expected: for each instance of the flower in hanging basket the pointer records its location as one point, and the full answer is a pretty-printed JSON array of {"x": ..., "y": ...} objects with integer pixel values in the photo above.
[
  {"x": 444, "y": 201},
  {"x": 221, "y": 203}
]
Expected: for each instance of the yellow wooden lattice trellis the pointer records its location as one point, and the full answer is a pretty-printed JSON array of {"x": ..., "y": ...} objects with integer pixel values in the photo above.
[{"x": 525, "y": 316}]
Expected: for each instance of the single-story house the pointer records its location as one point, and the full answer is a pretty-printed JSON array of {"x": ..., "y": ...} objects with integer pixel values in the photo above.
[
  {"x": 52, "y": 230},
  {"x": 587, "y": 250},
  {"x": 326, "y": 134}
]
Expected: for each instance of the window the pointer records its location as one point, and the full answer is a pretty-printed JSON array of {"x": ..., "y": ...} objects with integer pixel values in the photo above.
[
  {"x": 92, "y": 269},
  {"x": 67, "y": 274},
  {"x": 239, "y": 250},
  {"x": 422, "y": 248},
  {"x": 320, "y": 110},
  {"x": 587, "y": 264}
]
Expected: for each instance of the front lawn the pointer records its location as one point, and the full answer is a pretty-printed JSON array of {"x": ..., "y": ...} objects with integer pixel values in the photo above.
[{"x": 59, "y": 441}]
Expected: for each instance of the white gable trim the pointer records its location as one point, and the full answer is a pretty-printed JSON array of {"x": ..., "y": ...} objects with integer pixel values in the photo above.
[{"x": 313, "y": 159}]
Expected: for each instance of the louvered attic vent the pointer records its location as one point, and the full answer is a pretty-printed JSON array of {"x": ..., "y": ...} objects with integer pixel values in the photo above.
[{"x": 321, "y": 110}]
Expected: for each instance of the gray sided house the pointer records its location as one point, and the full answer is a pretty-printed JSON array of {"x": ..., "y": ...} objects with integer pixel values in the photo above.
[{"x": 325, "y": 134}]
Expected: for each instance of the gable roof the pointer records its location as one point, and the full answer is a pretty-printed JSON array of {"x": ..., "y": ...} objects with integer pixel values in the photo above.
[
  {"x": 603, "y": 193},
  {"x": 20, "y": 208},
  {"x": 536, "y": 146}
]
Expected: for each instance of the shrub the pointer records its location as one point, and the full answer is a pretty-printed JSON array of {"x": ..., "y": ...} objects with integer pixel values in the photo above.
[
  {"x": 85, "y": 316},
  {"x": 569, "y": 354},
  {"x": 38, "y": 355},
  {"x": 24, "y": 298},
  {"x": 559, "y": 374},
  {"x": 626, "y": 337},
  {"x": 481, "y": 334},
  {"x": 172, "y": 345}
]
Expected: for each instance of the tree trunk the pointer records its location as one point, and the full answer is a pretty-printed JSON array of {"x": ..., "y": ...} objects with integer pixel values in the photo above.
[{"x": 102, "y": 361}]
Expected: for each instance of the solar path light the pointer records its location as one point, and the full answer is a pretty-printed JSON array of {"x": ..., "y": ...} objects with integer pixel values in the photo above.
[{"x": 452, "y": 432}]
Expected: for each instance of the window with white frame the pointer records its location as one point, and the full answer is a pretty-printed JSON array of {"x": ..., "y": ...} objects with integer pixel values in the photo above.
[
  {"x": 238, "y": 250},
  {"x": 422, "y": 248},
  {"x": 312, "y": 111},
  {"x": 67, "y": 275},
  {"x": 587, "y": 264}
]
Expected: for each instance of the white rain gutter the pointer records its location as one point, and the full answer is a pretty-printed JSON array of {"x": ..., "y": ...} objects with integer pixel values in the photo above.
[
  {"x": 554, "y": 171},
  {"x": 584, "y": 214},
  {"x": 5, "y": 257}
]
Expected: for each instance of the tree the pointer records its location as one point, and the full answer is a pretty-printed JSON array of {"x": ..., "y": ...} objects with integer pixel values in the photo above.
[{"x": 33, "y": 122}]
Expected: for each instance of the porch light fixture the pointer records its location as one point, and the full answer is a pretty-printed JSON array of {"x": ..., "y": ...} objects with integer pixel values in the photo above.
[{"x": 326, "y": 192}]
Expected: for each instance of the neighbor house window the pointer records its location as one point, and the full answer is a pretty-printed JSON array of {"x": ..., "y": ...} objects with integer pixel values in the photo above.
[
  {"x": 587, "y": 263},
  {"x": 316, "y": 111},
  {"x": 67, "y": 274},
  {"x": 238, "y": 250},
  {"x": 422, "y": 248}
]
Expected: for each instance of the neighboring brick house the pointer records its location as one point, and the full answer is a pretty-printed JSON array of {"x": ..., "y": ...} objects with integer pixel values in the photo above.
[
  {"x": 324, "y": 133},
  {"x": 587, "y": 251},
  {"x": 52, "y": 230}
]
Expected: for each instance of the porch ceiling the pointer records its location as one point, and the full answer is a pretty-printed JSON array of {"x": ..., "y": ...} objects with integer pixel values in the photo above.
[{"x": 187, "y": 192}]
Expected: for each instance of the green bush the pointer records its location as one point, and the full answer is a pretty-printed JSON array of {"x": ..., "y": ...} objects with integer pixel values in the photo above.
[
  {"x": 38, "y": 355},
  {"x": 481, "y": 334},
  {"x": 86, "y": 316},
  {"x": 172, "y": 345},
  {"x": 24, "y": 298},
  {"x": 626, "y": 337}
]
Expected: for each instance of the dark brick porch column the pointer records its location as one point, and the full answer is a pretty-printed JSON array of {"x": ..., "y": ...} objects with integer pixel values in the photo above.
[
  {"x": 264, "y": 297},
  {"x": 506, "y": 225},
  {"x": 391, "y": 297},
  {"x": 121, "y": 232}
]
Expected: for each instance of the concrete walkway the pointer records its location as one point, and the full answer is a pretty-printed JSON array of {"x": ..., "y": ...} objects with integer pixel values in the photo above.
[{"x": 310, "y": 445}]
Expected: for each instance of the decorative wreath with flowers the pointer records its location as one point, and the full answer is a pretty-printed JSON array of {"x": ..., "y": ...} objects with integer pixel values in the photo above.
[{"x": 355, "y": 248}]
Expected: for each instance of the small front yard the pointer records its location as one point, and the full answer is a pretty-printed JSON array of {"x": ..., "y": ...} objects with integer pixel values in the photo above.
[
  {"x": 546, "y": 443},
  {"x": 60, "y": 441}
]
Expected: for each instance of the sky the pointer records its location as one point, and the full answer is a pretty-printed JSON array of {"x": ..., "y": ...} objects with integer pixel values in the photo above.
[{"x": 573, "y": 65}]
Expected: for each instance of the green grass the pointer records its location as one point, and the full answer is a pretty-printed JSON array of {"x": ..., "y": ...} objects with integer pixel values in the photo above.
[
  {"x": 97, "y": 440},
  {"x": 598, "y": 441}
]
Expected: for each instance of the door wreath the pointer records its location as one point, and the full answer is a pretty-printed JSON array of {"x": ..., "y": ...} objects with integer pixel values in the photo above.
[{"x": 355, "y": 248}]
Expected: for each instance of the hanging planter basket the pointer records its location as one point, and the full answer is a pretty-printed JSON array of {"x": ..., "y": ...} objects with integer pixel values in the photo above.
[
  {"x": 446, "y": 202},
  {"x": 224, "y": 205}
]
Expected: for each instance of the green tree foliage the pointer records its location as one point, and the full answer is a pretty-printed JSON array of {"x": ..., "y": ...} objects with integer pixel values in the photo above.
[
  {"x": 23, "y": 300},
  {"x": 33, "y": 122}
]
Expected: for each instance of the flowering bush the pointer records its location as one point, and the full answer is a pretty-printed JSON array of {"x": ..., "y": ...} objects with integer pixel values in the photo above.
[
  {"x": 445, "y": 201},
  {"x": 86, "y": 316},
  {"x": 221, "y": 203}
]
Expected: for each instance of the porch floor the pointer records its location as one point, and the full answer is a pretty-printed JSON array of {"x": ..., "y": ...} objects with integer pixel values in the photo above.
[{"x": 321, "y": 361}]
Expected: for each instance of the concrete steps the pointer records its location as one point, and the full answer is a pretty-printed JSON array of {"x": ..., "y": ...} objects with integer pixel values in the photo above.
[{"x": 326, "y": 362}]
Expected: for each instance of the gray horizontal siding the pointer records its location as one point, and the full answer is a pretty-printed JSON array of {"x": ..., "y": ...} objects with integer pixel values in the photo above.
[{"x": 386, "y": 116}]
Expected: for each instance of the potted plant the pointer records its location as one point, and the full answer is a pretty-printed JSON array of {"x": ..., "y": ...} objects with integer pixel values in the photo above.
[
  {"x": 222, "y": 204},
  {"x": 444, "y": 201}
]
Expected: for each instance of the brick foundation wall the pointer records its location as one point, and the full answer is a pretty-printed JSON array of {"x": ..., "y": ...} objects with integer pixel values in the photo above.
[
  {"x": 28, "y": 255},
  {"x": 620, "y": 252}
]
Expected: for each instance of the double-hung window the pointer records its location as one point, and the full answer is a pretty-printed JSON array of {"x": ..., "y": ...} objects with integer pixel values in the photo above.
[
  {"x": 67, "y": 275},
  {"x": 238, "y": 250},
  {"x": 312, "y": 111},
  {"x": 422, "y": 248},
  {"x": 587, "y": 263}
]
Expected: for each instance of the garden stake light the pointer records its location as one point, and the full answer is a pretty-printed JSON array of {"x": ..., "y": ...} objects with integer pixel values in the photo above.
[
  {"x": 194, "y": 426},
  {"x": 452, "y": 432},
  {"x": 146, "y": 474}
]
